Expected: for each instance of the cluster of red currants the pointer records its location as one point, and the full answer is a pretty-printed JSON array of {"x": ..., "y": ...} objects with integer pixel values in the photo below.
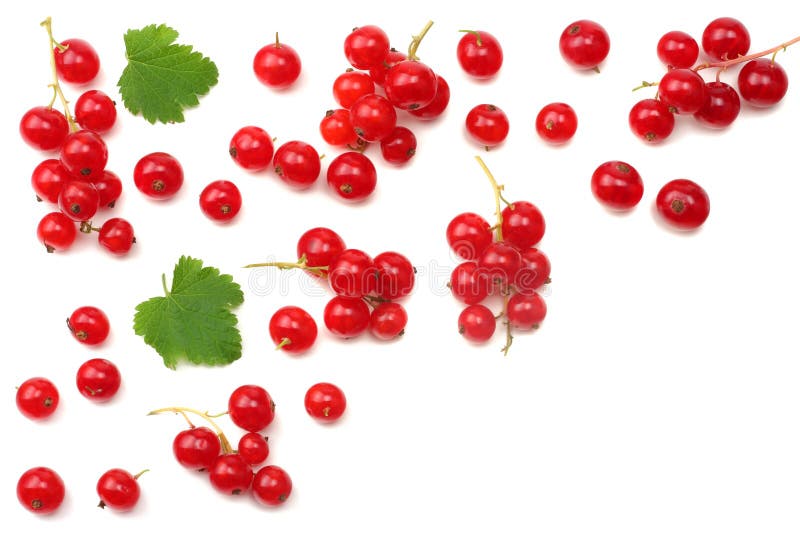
[{"x": 77, "y": 181}]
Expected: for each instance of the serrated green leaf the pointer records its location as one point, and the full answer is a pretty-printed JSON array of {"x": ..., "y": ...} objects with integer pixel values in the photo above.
[
  {"x": 193, "y": 320},
  {"x": 161, "y": 78}
]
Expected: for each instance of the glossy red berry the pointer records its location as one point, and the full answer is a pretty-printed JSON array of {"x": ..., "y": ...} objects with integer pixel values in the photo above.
[
  {"x": 534, "y": 273},
  {"x": 437, "y": 105},
  {"x": 40, "y": 490},
  {"x": 79, "y": 200},
  {"x": 721, "y": 105},
  {"x": 617, "y": 185},
  {"x": 556, "y": 123},
  {"x": 272, "y": 485},
  {"x": 762, "y": 82},
  {"x": 118, "y": 490},
  {"x": 48, "y": 178},
  {"x": 477, "y": 323},
  {"x": 500, "y": 263},
  {"x": 350, "y": 86},
  {"x": 352, "y": 273},
  {"x": 37, "y": 398},
  {"x": 297, "y": 164},
  {"x": 352, "y": 176},
  {"x": 468, "y": 235},
  {"x": 56, "y": 231},
  {"x": 196, "y": 448},
  {"x": 651, "y": 120},
  {"x": 479, "y": 53},
  {"x": 399, "y": 146},
  {"x": 395, "y": 277},
  {"x": 251, "y": 408},
  {"x": 378, "y": 73},
  {"x": 388, "y": 321},
  {"x": 158, "y": 175},
  {"x": 682, "y": 90},
  {"x": 373, "y": 117},
  {"x": 221, "y": 200},
  {"x": 277, "y": 65},
  {"x": 84, "y": 154},
  {"x": 253, "y": 448},
  {"x": 346, "y": 317},
  {"x": 584, "y": 44},
  {"x": 109, "y": 189},
  {"x": 677, "y": 50},
  {"x": 117, "y": 236},
  {"x": 725, "y": 38},
  {"x": 683, "y": 204},
  {"x": 89, "y": 325},
  {"x": 230, "y": 474},
  {"x": 410, "y": 85},
  {"x": 325, "y": 402},
  {"x": 292, "y": 329},
  {"x": 95, "y": 111},
  {"x": 337, "y": 130},
  {"x": 487, "y": 124},
  {"x": 319, "y": 246},
  {"x": 523, "y": 224},
  {"x": 98, "y": 379},
  {"x": 526, "y": 311},
  {"x": 467, "y": 284},
  {"x": 43, "y": 128},
  {"x": 77, "y": 62},
  {"x": 251, "y": 147},
  {"x": 366, "y": 47}
]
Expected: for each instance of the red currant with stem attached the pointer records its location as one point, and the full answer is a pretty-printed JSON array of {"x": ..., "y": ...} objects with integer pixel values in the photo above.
[
  {"x": 677, "y": 50},
  {"x": 467, "y": 284},
  {"x": 292, "y": 329},
  {"x": 395, "y": 275},
  {"x": 56, "y": 231},
  {"x": 366, "y": 47},
  {"x": 352, "y": 176},
  {"x": 251, "y": 408},
  {"x": 325, "y": 402},
  {"x": 617, "y": 185},
  {"x": 388, "y": 321},
  {"x": 98, "y": 379},
  {"x": 116, "y": 235},
  {"x": 196, "y": 448},
  {"x": 84, "y": 154},
  {"x": 378, "y": 74},
  {"x": 400, "y": 146},
  {"x": 352, "y": 273},
  {"x": 109, "y": 189},
  {"x": 556, "y": 123},
  {"x": 487, "y": 124},
  {"x": 230, "y": 474},
  {"x": 762, "y": 82},
  {"x": 76, "y": 61},
  {"x": 336, "y": 128},
  {"x": 721, "y": 105},
  {"x": 651, "y": 120},
  {"x": 89, "y": 325},
  {"x": 437, "y": 105},
  {"x": 683, "y": 204},
  {"x": 221, "y": 200},
  {"x": 479, "y": 53},
  {"x": 79, "y": 200},
  {"x": 118, "y": 490},
  {"x": 350, "y": 86},
  {"x": 271, "y": 485},
  {"x": 373, "y": 117},
  {"x": 253, "y": 448},
  {"x": 37, "y": 398},
  {"x": 158, "y": 175},
  {"x": 44, "y": 128},
  {"x": 277, "y": 64},
  {"x": 584, "y": 44},
  {"x": 523, "y": 224},
  {"x": 95, "y": 111},
  {"x": 297, "y": 164},
  {"x": 477, "y": 323},
  {"x": 468, "y": 235},
  {"x": 346, "y": 317},
  {"x": 40, "y": 490},
  {"x": 682, "y": 90},
  {"x": 534, "y": 273},
  {"x": 410, "y": 85},
  {"x": 526, "y": 311},
  {"x": 251, "y": 147},
  {"x": 48, "y": 178},
  {"x": 319, "y": 246},
  {"x": 725, "y": 38},
  {"x": 500, "y": 263}
]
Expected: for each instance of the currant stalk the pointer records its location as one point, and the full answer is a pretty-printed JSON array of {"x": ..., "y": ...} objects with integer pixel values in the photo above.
[
  {"x": 416, "y": 40},
  {"x": 742, "y": 59},
  {"x": 507, "y": 322},
  {"x": 226, "y": 445},
  {"x": 301, "y": 263},
  {"x": 47, "y": 24}
]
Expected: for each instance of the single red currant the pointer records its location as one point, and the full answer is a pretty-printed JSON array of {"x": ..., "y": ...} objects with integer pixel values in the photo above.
[
  {"x": 337, "y": 130},
  {"x": 487, "y": 124},
  {"x": 56, "y": 231},
  {"x": 319, "y": 246},
  {"x": 79, "y": 200},
  {"x": 196, "y": 448},
  {"x": 251, "y": 147},
  {"x": 44, "y": 128},
  {"x": 682, "y": 90},
  {"x": 677, "y": 50},
  {"x": 651, "y": 120},
  {"x": 526, "y": 311},
  {"x": 400, "y": 146},
  {"x": 98, "y": 379},
  {"x": 556, "y": 123},
  {"x": 346, "y": 317},
  {"x": 584, "y": 44},
  {"x": 118, "y": 490},
  {"x": 272, "y": 485},
  {"x": 84, "y": 154},
  {"x": 76, "y": 61},
  {"x": 762, "y": 82},
  {"x": 477, "y": 323},
  {"x": 479, "y": 54},
  {"x": 388, "y": 321},
  {"x": 158, "y": 175},
  {"x": 277, "y": 65},
  {"x": 366, "y": 47},
  {"x": 297, "y": 163},
  {"x": 109, "y": 189},
  {"x": 37, "y": 398},
  {"x": 251, "y": 408},
  {"x": 89, "y": 325},
  {"x": 378, "y": 73},
  {"x": 725, "y": 38},
  {"x": 221, "y": 200},
  {"x": 350, "y": 86},
  {"x": 117, "y": 236},
  {"x": 523, "y": 224},
  {"x": 48, "y": 178},
  {"x": 373, "y": 117},
  {"x": 500, "y": 263},
  {"x": 437, "y": 105},
  {"x": 535, "y": 271},
  {"x": 253, "y": 448},
  {"x": 410, "y": 85},
  {"x": 352, "y": 273},
  {"x": 292, "y": 329},
  {"x": 468, "y": 235},
  {"x": 325, "y": 402},
  {"x": 467, "y": 284},
  {"x": 395, "y": 275},
  {"x": 617, "y": 185},
  {"x": 95, "y": 111},
  {"x": 352, "y": 176},
  {"x": 683, "y": 204},
  {"x": 40, "y": 490},
  {"x": 721, "y": 105},
  {"x": 230, "y": 474}
]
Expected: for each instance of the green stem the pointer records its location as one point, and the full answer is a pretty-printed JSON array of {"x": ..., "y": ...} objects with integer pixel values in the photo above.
[
  {"x": 477, "y": 35},
  {"x": 164, "y": 284},
  {"x": 509, "y": 337},
  {"x": 498, "y": 229},
  {"x": 226, "y": 445},
  {"x": 299, "y": 264},
  {"x": 416, "y": 40},
  {"x": 57, "y": 92}
]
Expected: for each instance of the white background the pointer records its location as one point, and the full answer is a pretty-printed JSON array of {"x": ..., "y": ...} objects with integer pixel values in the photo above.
[{"x": 660, "y": 395}]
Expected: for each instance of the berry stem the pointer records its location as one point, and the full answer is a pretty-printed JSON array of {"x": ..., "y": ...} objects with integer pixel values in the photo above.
[
  {"x": 140, "y": 473},
  {"x": 57, "y": 92},
  {"x": 477, "y": 35},
  {"x": 416, "y": 40},
  {"x": 645, "y": 84},
  {"x": 299, "y": 264},
  {"x": 498, "y": 196},
  {"x": 226, "y": 445},
  {"x": 741, "y": 59},
  {"x": 277, "y": 41},
  {"x": 509, "y": 337},
  {"x": 285, "y": 341}
]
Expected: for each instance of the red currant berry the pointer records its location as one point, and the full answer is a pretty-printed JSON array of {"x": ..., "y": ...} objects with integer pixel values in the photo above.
[
  {"x": 352, "y": 176},
  {"x": 37, "y": 398},
  {"x": 535, "y": 271},
  {"x": 79, "y": 200},
  {"x": 350, "y": 86},
  {"x": 109, "y": 189},
  {"x": 437, "y": 105},
  {"x": 221, "y": 200},
  {"x": 352, "y": 273},
  {"x": 272, "y": 485},
  {"x": 319, "y": 246},
  {"x": 251, "y": 408},
  {"x": 98, "y": 380},
  {"x": 721, "y": 106},
  {"x": 44, "y": 128},
  {"x": 468, "y": 235},
  {"x": 467, "y": 284},
  {"x": 253, "y": 448},
  {"x": 373, "y": 117},
  {"x": 277, "y": 65},
  {"x": 89, "y": 325},
  {"x": 677, "y": 50},
  {"x": 410, "y": 85},
  {"x": 487, "y": 124},
  {"x": 378, "y": 73},
  {"x": 395, "y": 275},
  {"x": 556, "y": 123},
  {"x": 584, "y": 44},
  {"x": 84, "y": 154},
  {"x": 117, "y": 236},
  {"x": 682, "y": 90},
  {"x": 48, "y": 178},
  {"x": 523, "y": 224},
  {"x": 500, "y": 263},
  {"x": 725, "y": 38},
  {"x": 292, "y": 329},
  {"x": 196, "y": 448},
  {"x": 477, "y": 323},
  {"x": 325, "y": 402},
  {"x": 366, "y": 47},
  {"x": 762, "y": 82},
  {"x": 76, "y": 61},
  {"x": 230, "y": 474},
  {"x": 683, "y": 204},
  {"x": 56, "y": 231},
  {"x": 95, "y": 111},
  {"x": 346, "y": 317},
  {"x": 297, "y": 163},
  {"x": 479, "y": 54},
  {"x": 336, "y": 128},
  {"x": 158, "y": 175},
  {"x": 617, "y": 185},
  {"x": 525, "y": 312},
  {"x": 400, "y": 146},
  {"x": 118, "y": 490},
  {"x": 388, "y": 321},
  {"x": 251, "y": 147},
  {"x": 40, "y": 490},
  {"x": 651, "y": 120}
]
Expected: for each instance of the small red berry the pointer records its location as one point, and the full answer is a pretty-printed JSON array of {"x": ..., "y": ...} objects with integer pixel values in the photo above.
[
  {"x": 584, "y": 44},
  {"x": 617, "y": 185},
  {"x": 683, "y": 204},
  {"x": 89, "y": 325},
  {"x": 325, "y": 402},
  {"x": 221, "y": 200},
  {"x": 556, "y": 123},
  {"x": 37, "y": 398},
  {"x": 158, "y": 175}
]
